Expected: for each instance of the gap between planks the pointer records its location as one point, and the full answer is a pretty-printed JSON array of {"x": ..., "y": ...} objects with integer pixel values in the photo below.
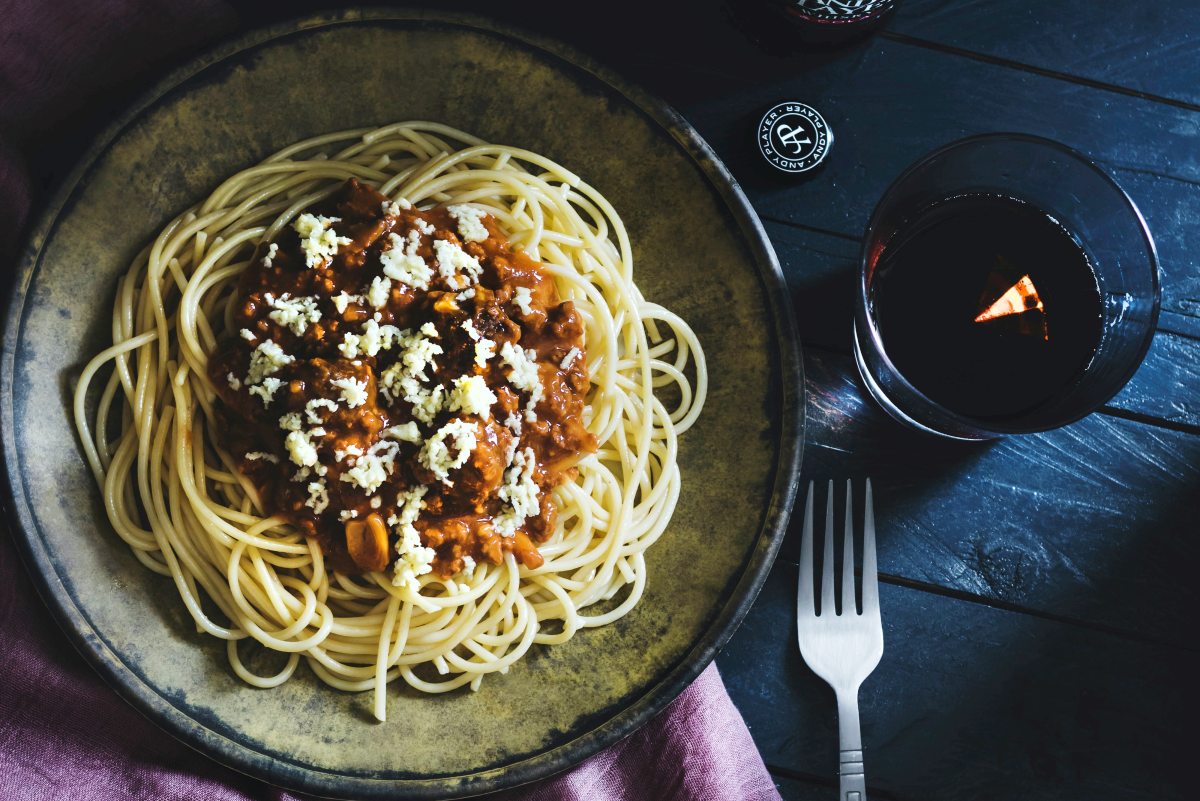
[
  {"x": 914, "y": 41},
  {"x": 1008, "y": 606}
]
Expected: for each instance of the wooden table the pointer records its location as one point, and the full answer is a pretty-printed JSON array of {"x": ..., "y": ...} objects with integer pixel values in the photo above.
[{"x": 1039, "y": 598}]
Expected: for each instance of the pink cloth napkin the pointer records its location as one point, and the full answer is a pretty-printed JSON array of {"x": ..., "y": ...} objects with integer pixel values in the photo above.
[{"x": 63, "y": 734}]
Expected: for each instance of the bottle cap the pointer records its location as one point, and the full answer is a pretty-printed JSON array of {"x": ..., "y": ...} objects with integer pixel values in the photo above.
[
  {"x": 843, "y": 12},
  {"x": 793, "y": 137}
]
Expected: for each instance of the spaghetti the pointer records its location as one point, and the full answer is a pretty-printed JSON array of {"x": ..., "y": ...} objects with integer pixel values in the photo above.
[{"x": 183, "y": 494}]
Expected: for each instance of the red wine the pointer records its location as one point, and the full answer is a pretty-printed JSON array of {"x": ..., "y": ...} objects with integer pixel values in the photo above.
[{"x": 987, "y": 305}]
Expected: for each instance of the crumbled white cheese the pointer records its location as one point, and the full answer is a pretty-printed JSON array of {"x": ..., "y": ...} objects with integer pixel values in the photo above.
[
  {"x": 354, "y": 392},
  {"x": 471, "y": 395},
  {"x": 392, "y": 208},
  {"x": 402, "y": 263},
  {"x": 247, "y": 335},
  {"x": 453, "y": 260},
  {"x": 318, "y": 497},
  {"x": 521, "y": 297},
  {"x": 350, "y": 450},
  {"x": 520, "y": 492},
  {"x": 376, "y": 502},
  {"x": 372, "y": 468},
  {"x": 435, "y": 454},
  {"x": 291, "y": 421},
  {"x": 417, "y": 354},
  {"x": 381, "y": 289},
  {"x": 234, "y": 383},
  {"x": 468, "y": 567},
  {"x": 342, "y": 300},
  {"x": 426, "y": 403},
  {"x": 470, "y": 225},
  {"x": 266, "y": 390},
  {"x": 254, "y": 456},
  {"x": 266, "y": 359},
  {"x": 374, "y": 338},
  {"x": 300, "y": 448},
  {"x": 310, "y": 409},
  {"x": 271, "y": 251},
  {"x": 485, "y": 349},
  {"x": 318, "y": 240},
  {"x": 414, "y": 559},
  {"x": 573, "y": 354},
  {"x": 347, "y": 514},
  {"x": 295, "y": 313},
  {"x": 423, "y": 226},
  {"x": 466, "y": 294},
  {"x": 523, "y": 374},
  {"x": 406, "y": 432}
]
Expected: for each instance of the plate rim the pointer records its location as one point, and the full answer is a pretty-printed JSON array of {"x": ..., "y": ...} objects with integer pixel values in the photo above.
[{"x": 149, "y": 701}]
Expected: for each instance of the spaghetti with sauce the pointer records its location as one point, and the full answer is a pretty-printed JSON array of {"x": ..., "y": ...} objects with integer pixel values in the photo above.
[{"x": 390, "y": 402}]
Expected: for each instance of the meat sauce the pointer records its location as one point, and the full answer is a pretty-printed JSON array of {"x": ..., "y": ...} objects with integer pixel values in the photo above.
[{"x": 503, "y": 297}]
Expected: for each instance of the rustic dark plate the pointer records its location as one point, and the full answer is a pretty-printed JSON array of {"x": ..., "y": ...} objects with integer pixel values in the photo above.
[{"x": 699, "y": 250}]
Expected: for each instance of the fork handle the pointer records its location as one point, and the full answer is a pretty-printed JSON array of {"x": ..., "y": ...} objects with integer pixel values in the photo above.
[{"x": 851, "y": 778}]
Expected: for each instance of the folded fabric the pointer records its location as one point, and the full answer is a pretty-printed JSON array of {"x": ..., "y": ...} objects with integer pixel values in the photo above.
[{"x": 64, "y": 735}]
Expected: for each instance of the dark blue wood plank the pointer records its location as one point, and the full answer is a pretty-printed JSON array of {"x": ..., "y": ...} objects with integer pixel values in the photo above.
[
  {"x": 974, "y": 702},
  {"x": 1146, "y": 47},
  {"x": 1094, "y": 522},
  {"x": 821, "y": 271},
  {"x": 890, "y": 103}
]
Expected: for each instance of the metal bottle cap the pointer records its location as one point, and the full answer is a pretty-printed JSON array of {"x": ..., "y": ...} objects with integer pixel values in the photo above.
[
  {"x": 839, "y": 11},
  {"x": 794, "y": 137}
]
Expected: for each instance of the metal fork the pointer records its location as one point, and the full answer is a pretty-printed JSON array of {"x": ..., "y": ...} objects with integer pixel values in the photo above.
[{"x": 841, "y": 649}]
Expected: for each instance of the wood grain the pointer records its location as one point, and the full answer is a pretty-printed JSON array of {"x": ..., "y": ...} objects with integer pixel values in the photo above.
[
  {"x": 1151, "y": 48},
  {"x": 974, "y": 702},
  {"x": 1094, "y": 522}
]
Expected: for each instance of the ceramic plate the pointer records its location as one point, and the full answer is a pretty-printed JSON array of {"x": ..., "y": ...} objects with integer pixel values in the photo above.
[{"x": 698, "y": 249}]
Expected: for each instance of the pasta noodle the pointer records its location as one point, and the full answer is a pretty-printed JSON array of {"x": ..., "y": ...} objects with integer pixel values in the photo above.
[{"x": 180, "y": 502}]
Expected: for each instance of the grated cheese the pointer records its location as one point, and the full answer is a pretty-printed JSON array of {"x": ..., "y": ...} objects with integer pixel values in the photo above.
[
  {"x": 271, "y": 251},
  {"x": 354, "y": 392},
  {"x": 435, "y": 454},
  {"x": 381, "y": 289},
  {"x": 266, "y": 359},
  {"x": 318, "y": 240},
  {"x": 406, "y": 432},
  {"x": 318, "y": 497},
  {"x": 295, "y": 314},
  {"x": 471, "y": 395},
  {"x": 521, "y": 298},
  {"x": 402, "y": 263},
  {"x": 414, "y": 559},
  {"x": 470, "y": 222},
  {"x": 520, "y": 492},
  {"x": 523, "y": 374},
  {"x": 266, "y": 390},
  {"x": 453, "y": 260}
]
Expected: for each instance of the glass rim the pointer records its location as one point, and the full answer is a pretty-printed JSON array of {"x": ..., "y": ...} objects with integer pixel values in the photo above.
[{"x": 1075, "y": 156}]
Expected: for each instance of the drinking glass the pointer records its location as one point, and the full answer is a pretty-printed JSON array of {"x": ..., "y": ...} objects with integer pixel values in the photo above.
[{"x": 1070, "y": 188}]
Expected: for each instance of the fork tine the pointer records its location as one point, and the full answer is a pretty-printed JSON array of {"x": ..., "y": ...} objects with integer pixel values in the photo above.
[
  {"x": 804, "y": 595},
  {"x": 870, "y": 576},
  {"x": 848, "y": 605},
  {"x": 827, "y": 607}
]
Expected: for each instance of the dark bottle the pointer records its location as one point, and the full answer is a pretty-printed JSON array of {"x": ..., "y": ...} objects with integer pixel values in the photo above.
[{"x": 832, "y": 21}]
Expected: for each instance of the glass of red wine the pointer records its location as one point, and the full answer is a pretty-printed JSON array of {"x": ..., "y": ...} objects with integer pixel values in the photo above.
[{"x": 1008, "y": 286}]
